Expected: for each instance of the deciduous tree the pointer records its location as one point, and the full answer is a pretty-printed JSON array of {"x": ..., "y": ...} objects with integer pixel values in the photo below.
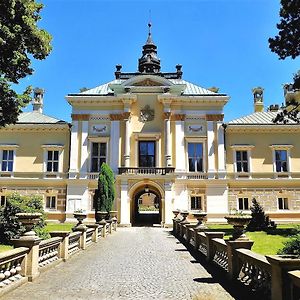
[
  {"x": 20, "y": 39},
  {"x": 287, "y": 42}
]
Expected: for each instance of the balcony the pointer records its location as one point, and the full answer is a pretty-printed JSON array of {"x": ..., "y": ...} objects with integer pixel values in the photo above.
[{"x": 146, "y": 171}]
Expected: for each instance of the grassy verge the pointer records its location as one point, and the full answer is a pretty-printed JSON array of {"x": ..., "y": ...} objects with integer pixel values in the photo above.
[
  {"x": 266, "y": 243},
  {"x": 59, "y": 227},
  {"x": 5, "y": 248}
]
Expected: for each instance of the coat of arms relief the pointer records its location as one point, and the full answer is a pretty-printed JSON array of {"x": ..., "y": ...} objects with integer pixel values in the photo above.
[{"x": 146, "y": 114}]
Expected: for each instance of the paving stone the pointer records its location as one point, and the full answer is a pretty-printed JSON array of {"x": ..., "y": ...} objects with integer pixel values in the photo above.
[{"x": 133, "y": 263}]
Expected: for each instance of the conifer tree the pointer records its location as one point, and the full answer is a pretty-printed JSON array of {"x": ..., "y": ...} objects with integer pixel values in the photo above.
[
  {"x": 105, "y": 193},
  {"x": 259, "y": 220}
]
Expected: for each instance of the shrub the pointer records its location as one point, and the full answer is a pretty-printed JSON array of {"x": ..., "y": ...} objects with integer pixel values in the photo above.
[
  {"x": 9, "y": 225},
  {"x": 259, "y": 220},
  {"x": 105, "y": 194},
  {"x": 292, "y": 246}
]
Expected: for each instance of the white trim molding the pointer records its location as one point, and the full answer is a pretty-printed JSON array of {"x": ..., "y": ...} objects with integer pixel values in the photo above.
[{"x": 284, "y": 147}]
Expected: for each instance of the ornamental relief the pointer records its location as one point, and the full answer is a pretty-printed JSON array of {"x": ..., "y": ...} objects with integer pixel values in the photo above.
[
  {"x": 99, "y": 129},
  {"x": 146, "y": 114},
  {"x": 195, "y": 129}
]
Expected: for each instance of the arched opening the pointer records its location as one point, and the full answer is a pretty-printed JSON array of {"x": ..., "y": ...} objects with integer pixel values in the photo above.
[{"x": 147, "y": 206}]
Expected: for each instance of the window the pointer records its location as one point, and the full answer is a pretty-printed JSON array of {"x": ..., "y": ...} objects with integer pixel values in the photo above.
[
  {"x": 52, "y": 160},
  {"x": 147, "y": 154},
  {"x": 281, "y": 160},
  {"x": 283, "y": 203},
  {"x": 195, "y": 157},
  {"x": 243, "y": 204},
  {"x": 196, "y": 202},
  {"x": 3, "y": 201},
  {"x": 51, "y": 202},
  {"x": 7, "y": 160},
  {"x": 242, "y": 161},
  {"x": 98, "y": 156}
]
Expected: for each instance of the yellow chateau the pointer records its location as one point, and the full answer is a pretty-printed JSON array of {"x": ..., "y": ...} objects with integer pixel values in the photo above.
[{"x": 166, "y": 141}]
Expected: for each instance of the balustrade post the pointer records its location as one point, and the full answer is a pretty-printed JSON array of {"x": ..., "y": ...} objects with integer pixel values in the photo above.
[
  {"x": 103, "y": 230},
  {"x": 209, "y": 243},
  {"x": 64, "y": 244},
  {"x": 95, "y": 233},
  {"x": 82, "y": 242},
  {"x": 109, "y": 226},
  {"x": 233, "y": 261},
  {"x": 281, "y": 264}
]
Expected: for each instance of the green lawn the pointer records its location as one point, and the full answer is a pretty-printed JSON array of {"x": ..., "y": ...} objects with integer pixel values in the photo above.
[
  {"x": 264, "y": 242},
  {"x": 5, "y": 248},
  {"x": 58, "y": 227}
]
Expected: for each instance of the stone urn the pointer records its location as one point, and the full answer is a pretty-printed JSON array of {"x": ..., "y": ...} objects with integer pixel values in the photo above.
[
  {"x": 200, "y": 216},
  {"x": 176, "y": 213},
  {"x": 79, "y": 216},
  {"x": 113, "y": 214},
  {"x": 100, "y": 216},
  {"x": 28, "y": 220},
  {"x": 184, "y": 214},
  {"x": 238, "y": 222}
]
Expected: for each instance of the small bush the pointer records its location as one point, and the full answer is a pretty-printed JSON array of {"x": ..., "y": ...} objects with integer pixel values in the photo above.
[
  {"x": 292, "y": 246},
  {"x": 9, "y": 225},
  {"x": 259, "y": 220}
]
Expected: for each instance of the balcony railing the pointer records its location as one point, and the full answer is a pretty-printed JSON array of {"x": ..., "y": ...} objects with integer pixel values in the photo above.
[{"x": 146, "y": 171}]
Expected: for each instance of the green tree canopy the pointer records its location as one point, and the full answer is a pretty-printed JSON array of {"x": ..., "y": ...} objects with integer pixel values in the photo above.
[
  {"x": 105, "y": 194},
  {"x": 287, "y": 42},
  {"x": 20, "y": 38}
]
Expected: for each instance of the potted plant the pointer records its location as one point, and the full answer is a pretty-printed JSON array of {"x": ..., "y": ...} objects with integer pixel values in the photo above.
[
  {"x": 79, "y": 215},
  {"x": 238, "y": 220}
]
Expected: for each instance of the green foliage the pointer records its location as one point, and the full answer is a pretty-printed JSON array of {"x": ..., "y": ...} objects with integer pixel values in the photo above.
[
  {"x": 259, "y": 220},
  {"x": 15, "y": 203},
  {"x": 291, "y": 246},
  {"x": 105, "y": 193},
  {"x": 20, "y": 39},
  {"x": 287, "y": 42}
]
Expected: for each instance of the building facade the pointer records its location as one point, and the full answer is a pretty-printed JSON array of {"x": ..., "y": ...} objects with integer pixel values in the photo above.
[{"x": 165, "y": 138}]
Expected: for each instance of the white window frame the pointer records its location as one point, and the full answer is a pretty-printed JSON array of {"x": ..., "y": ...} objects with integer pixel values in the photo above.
[
  {"x": 104, "y": 140},
  {"x": 283, "y": 197},
  {"x": 238, "y": 204},
  {"x": 8, "y": 147},
  {"x": 50, "y": 208},
  {"x": 201, "y": 202},
  {"x": 155, "y": 137},
  {"x": 53, "y": 147},
  {"x": 247, "y": 148},
  {"x": 286, "y": 148},
  {"x": 203, "y": 141}
]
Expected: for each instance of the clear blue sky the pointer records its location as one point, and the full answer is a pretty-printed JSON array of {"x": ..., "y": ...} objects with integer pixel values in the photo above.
[{"x": 221, "y": 43}]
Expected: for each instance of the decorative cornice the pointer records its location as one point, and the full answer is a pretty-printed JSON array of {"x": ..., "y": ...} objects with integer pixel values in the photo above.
[
  {"x": 126, "y": 115},
  {"x": 116, "y": 117},
  {"x": 262, "y": 128},
  {"x": 166, "y": 115},
  {"x": 178, "y": 117},
  {"x": 215, "y": 117},
  {"x": 80, "y": 117}
]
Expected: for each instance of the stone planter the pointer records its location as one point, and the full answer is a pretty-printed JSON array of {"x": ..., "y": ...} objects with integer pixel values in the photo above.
[
  {"x": 79, "y": 216},
  {"x": 100, "y": 216},
  {"x": 28, "y": 220},
  {"x": 176, "y": 213},
  {"x": 184, "y": 214},
  {"x": 200, "y": 216},
  {"x": 238, "y": 222}
]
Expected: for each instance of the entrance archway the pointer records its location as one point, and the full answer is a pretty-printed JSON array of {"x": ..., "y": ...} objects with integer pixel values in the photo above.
[{"x": 146, "y": 206}]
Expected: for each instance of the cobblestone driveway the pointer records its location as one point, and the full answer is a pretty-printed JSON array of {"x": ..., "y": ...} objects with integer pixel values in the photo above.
[{"x": 133, "y": 263}]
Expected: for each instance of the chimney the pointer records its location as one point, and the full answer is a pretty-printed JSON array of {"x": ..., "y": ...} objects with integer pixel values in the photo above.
[
  {"x": 258, "y": 99},
  {"x": 38, "y": 99}
]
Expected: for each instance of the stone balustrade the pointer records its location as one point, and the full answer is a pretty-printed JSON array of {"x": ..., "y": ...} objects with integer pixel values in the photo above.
[
  {"x": 275, "y": 277},
  {"x": 33, "y": 255}
]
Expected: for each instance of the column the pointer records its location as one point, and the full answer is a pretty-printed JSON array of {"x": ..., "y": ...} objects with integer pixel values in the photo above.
[
  {"x": 114, "y": 142},
  {"x": 74, "y": 150},
  {"x": 168, "y": 204},
  {"x": 84, "y": 149},
  {"x": 211, "y": 149},
  {"x": 179, "y": 141},
  {"x": 221, "y": 151},
  {"x": 125, "y": 205},
  {"x": 127, "y": 139},
  {"x": 168, "y": 156}
]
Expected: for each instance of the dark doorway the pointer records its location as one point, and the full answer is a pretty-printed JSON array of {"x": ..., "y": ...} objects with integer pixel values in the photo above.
[{"x": 147, "y": 208}]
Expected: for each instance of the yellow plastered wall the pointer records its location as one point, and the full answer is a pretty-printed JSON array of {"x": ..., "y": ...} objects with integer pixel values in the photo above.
[
  {"x": 261, "y": 154},
  {"x": 30, "y": 154}
]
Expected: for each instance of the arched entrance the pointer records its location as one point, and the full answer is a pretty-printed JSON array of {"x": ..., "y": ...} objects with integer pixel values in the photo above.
[{"x": 146, "y": 206}]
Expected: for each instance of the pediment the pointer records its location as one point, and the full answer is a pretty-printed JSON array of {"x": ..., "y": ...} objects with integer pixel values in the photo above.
[{"x": 147, "y": 80}]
